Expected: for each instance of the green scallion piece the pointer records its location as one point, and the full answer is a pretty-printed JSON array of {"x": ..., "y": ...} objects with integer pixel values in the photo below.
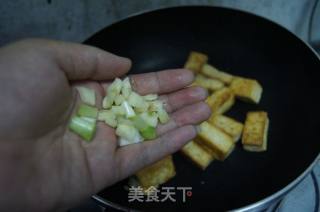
[
  {"x": 88, "y": 111},
  {"x": 149, "y": 133},
  {"x": 84, "y": 128}
]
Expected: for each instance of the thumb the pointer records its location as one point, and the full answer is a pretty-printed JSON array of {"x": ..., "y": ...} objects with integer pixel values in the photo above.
[{"x": 81, "y": 62}]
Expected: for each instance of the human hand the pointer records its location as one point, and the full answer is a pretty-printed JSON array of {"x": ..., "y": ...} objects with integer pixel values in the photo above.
[{"x": 44, "y": 166}]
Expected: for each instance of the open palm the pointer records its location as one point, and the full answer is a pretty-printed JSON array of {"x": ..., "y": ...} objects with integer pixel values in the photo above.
[{"x": 45, "y": 166}]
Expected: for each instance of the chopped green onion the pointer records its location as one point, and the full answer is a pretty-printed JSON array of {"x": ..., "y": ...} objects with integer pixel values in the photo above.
[
  {"x": 108, "y": 117},
  {"x": 151, "y": 118},
  {"x": 135, "y": 117},
  {"x": 115, "y": 88},
  {"x": 119, "y": 99},
  {"x": 128, "y": 109},
  {"x": 123, "y": 120},
  {"x": 87, "y": 95},
  {"x": 163, "y": 116},
  {"x": 128, "y": 132},
  {"x": 150, "y": 97},
  {"x": 88, "y": 119},
  {"x": 87, "y": 111},
  {"x": 118, "y": 110},
  {"x": 139, "y": 123},
  {"x": 149, "y": 133},
  {"x": 143, "y": 108},
  {"x": 126, "y": 88},
  {"x": 82, "y": 127},
  {"x": 136, "y": 100},
  {"x": 107, "y": 102},
  {"x": 155, "y": 105},
  {"x": 111, "y": 122},
  {"x": 112, "y": 92},
  {"x": 123, "y": 142}
]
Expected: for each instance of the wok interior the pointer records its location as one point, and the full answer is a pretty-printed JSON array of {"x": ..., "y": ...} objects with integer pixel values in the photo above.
[{"x": 241, "y": 44}]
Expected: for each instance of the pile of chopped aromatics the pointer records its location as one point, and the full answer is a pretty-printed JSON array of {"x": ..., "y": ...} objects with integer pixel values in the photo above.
[{"x": 134, "y": 117}]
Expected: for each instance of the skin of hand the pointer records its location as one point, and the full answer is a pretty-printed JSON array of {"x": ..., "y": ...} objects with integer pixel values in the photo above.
[{"x": 44, "y": 166}]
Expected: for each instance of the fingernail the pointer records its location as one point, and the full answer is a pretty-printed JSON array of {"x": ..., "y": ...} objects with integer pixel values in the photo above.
[
  {"x": 200, "y": 92},
  {"x": 187, "y": 76}
]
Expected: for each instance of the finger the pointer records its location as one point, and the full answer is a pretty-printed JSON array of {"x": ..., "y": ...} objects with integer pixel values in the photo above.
[
  {"x": 184, "y": 97},
  {"x": 80, "y": 61},
  {"x": 161, "y": 81},
  {"x": 189, "y": 115},
  {"x": 100, "y": 152},
  {"x": 131, "y": 158}
]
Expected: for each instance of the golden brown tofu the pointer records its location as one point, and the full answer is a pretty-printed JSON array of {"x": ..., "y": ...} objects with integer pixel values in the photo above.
[
  {"x": 210, "y": 84},
  {"x": 197, "y": 154},
  {"x": 195, "y": 61},
  {"x": 216, "y": 140},
  {"x": 214, "y": 73},
  {"x": 227, "y": 125},
  {"x": 246, "y": 89},
  {"x": 200, "y": 141},
  {"x": 221, "y": 101},
  {"x": 254, "y": 136},
  {"x": 157, "y": 173}
]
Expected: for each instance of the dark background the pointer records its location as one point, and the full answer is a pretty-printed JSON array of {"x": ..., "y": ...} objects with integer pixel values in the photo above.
[{"x": 75, "y": 20}]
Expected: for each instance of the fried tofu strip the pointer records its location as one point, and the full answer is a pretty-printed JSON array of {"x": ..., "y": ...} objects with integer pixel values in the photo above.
[
  {"x": 210, "y": 84},
  {"x": 157, "y": 173},
  {"x": 221, "y": 101},
  {"x": 195, "y": 61},
  {"x": 254, "y": 136},
  {"x": 227, "y": 125},
  {"x": 247, "y": 89},
  {"x": 216, "y": 140},
  {"x": 197, "y": 154},
  {"x": 214, "y": 73}
]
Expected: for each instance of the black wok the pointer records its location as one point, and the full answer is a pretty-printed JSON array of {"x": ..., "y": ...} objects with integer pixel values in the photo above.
[{"x": 242, "y": 44}]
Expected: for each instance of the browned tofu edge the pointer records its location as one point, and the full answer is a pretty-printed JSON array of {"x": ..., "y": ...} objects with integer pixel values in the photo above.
[
  {"x": 192, "y": 153},
  {"x": 195, "y": 61},
  {"x": 255, "y": 141},
  {"x": 152, "y": 171}
]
